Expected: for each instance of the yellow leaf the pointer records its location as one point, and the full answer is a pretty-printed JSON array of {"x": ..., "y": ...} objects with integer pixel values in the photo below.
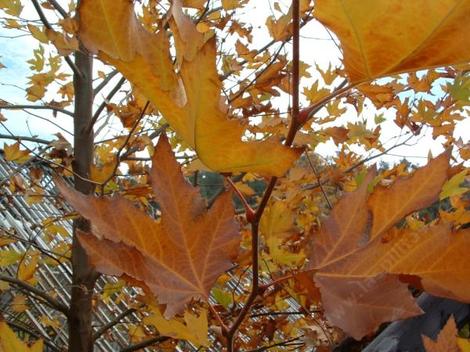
[
  {"x": 9, "y": 342},
  {"x": 189, "y": 100},
  {"x": 19, "y": 304},
  {"x": 194, "y": 328},
  {"x": 464, "y": 344},
  {"x": 27, "y": 268},
  {"x": 453, "y": 186},
  {"x": 11, "y": 7},
  {"x": 13, "y": 153},
  {"x": 277, "y": 223},
  {"x": 53, "y": 323},
  {"x": 65, "y": 45},
  {"x": 385, "y": 37},
  {"x": 38, "y": 33},
  {"x": 9, "y": 257}
]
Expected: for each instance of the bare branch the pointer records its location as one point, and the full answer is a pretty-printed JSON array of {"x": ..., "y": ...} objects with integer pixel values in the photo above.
[
  {"x": 145, "y": 343},
  {"x": 48, "y": 299},
  {"x": 104, "y": 82},
  {"x": 113, "y": 322},
  {"x": 108, "y": 98},
  {"x": 59, "y": 8},
  {"x": 36, "y": 107},
  {"x": 24, "y": 138}
]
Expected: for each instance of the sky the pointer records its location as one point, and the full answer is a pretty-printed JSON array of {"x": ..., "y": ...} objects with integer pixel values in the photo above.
[{"x": 316, "y": 47}]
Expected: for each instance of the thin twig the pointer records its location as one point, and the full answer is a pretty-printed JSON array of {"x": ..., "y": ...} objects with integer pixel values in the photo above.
[
  {"x": 104, "y": 82},
  {"x": 108, "y": 98},
  {"x": 318, "y": 180},
  {"x": 25, "y": 138},
  {"x": 113, "y": 322},
  {"x": 118, "y": 154},
  {"x": 59, "y": 8},
  {"x": 27, "y": 287},
  {"x": 145, "y": 343},
  {"x": 36, "y": 107}
]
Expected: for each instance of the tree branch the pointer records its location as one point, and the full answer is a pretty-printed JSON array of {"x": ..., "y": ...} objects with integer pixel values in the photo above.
[
  {"x": 24, "y": 138},
  {"x": 104, "y": 82},
  {"x": 108, "y": 98},
  {"x": 50, "y": 301},
  {"x": 145, "y": 343},
  {"x": 113, "y": 322},
  {"x": 59, "y": 8},
  {"x": 36, "y": 107}
]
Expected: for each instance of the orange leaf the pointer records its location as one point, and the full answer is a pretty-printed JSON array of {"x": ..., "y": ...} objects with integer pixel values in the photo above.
[
  {"x": 190, "y": 100},
  {"x": 385, "y": 37},
  {"x": 446, "y": 340},
  {"x": 359, "y": 305},
  {"x": 389, "y": 205},
  {"x": 342, "y": 231},
  {"x": 178, "y": 258},
  {"x": 358, "y": 269}
]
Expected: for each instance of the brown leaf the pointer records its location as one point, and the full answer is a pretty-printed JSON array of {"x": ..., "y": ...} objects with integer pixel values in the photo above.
[
  {"x": 342, "y": 231},
  {"x": 178, "y": 258},
  {"x": 360, "y": 305},
  {"x": 390, "y": 204},
  {"x": 354, "y": 264}
]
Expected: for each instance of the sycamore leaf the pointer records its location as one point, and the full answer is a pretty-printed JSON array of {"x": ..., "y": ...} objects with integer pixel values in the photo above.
[
  {"x": 385, "y": 37},
  {"x": 276, "y": 225},
  {"x": 190, "y": 100},
  {"x": 11, "y": 7},
  {"x": 390, "y": 204},
  {"x": 446, "y": 340},
  {"x": 453, "y": 186},
  {"x": 10, "y": 342},
  {"x": 365, "y": 303},
  {"x": 357, "y": 258},
  {"x": 178, "y": 258},
  {"x": 343, "y": 230},
  {"x": 14, "y": 153},
  {"x": 194, "y": 328}
]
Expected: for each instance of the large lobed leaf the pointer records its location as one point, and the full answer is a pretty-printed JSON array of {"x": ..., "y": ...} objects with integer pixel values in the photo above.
[
  {"x": 359, "y": 263},
  {"x": 178, "y": 258},
  {"x": 190, "y": 100},
  {"x": 385, "y": 37}
]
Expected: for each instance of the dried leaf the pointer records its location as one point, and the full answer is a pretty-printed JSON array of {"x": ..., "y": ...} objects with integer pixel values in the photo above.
[{"x": 178, "y": 258}]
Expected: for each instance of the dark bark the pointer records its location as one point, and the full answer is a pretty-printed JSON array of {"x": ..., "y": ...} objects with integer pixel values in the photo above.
[{"x": 84, "y": 276}]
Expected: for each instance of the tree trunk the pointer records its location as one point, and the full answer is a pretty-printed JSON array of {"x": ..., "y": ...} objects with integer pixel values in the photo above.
[{"x": 84, "y": 276}]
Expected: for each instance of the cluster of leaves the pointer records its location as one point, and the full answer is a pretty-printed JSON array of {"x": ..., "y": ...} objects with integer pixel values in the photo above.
[{"x": 343, "y": 242}]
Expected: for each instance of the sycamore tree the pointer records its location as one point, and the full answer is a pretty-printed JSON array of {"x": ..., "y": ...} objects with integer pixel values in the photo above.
[{"x": 292, "y": 251}]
